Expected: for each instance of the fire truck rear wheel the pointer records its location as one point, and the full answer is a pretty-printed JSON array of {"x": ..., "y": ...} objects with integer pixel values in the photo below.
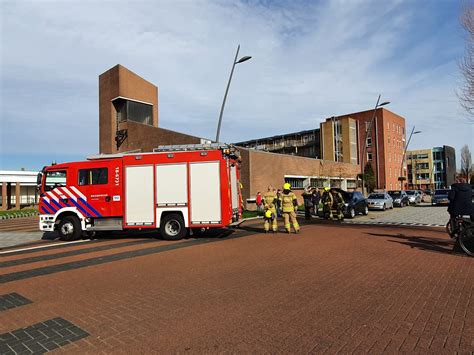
[
  {"x": 69, "y": 228},
  {"x": 172, "y": 227}
]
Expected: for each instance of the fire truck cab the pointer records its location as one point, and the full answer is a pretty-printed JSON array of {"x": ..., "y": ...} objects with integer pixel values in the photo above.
[{"x": 174, "y": 189}]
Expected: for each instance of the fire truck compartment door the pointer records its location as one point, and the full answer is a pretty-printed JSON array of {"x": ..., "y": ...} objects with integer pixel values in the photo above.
[
  {"x": 171, "y": 185},
  {"x": 205, "y": 188},
  {"x": 139, "y": 204},
  {"x": 234, "y": 187}
]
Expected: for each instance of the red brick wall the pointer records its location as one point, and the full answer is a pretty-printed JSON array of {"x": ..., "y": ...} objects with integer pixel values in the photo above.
[
  {"x": 144, "y": 137},
  {"x": 269, "y": 169},
  {"x": 119, "y": 81},
  {"x": 380, "y": 157}
]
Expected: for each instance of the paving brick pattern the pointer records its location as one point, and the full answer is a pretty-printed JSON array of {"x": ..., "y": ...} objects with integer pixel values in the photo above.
[
  {"x": 41, "y": 337},
  {"x": 424, "y": 215},
  {"x": 332, "y": 288},
  {"x": 12, "y": 300}
]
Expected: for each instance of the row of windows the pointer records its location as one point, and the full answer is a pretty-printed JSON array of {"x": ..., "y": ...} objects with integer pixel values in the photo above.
[
  {"x": 298, "y": 183},
  {"x": 417, "y": 156},
  {"x": 396, "y": 128}
]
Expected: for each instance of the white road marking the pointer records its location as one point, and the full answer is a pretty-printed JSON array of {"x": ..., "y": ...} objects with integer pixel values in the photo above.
[{"x": 45, "y": 246}]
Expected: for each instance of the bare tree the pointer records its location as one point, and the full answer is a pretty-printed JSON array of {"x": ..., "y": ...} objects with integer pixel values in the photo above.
[
  {"x": 466, "y": 93},
  {"x": 466, "y": 162}
]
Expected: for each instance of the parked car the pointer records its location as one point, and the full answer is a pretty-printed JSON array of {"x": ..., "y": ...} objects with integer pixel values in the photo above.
[
  {"x": 414, "y": 197},
  {"x": 400, "y": 198},
  {"x": 440, "y": 197},
  {"x": 354, "y": 202},
  {"x": 380, "y": 201}
]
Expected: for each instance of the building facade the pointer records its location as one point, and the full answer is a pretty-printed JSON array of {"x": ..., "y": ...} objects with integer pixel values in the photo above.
[
  {"x": 433, "y": 168},
  {"x": 18, "y": 189},
  {"x": 381, "y": 142},
  {"x": 128, "y": 114},
  {"x": 303, "y": 144},
  {"x": 339, "y": 140},
  {"x": 356, "y": 138}
]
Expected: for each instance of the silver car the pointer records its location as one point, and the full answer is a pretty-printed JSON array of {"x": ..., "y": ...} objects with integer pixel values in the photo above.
[
  {"x": 414, "y": 197},
  {"x": 380, "y": 201}
]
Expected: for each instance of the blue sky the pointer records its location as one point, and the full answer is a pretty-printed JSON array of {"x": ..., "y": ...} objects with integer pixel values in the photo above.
[{"x": 311, "y": 60}]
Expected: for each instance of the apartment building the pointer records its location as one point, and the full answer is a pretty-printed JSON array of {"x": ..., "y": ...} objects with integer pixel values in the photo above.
[
  {"x": 433, "y": 168},
  {"x": 339, "y": 140},
  {"x": 303, "y": 144},
  {"x": 381, "y": 142}
]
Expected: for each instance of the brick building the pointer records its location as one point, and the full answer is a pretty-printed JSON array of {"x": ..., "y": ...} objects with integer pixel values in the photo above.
[
  {"x": 342, "y": 139},
  {"x": 128, "y": 120},
  {"x": 128, "y": 114},
  {"x": 384, "y": 142}
]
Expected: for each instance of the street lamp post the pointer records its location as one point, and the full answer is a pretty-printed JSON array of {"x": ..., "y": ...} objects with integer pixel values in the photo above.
[
  {"x": 367, "y": 132},
  {"x": 404, "y": 155},
  {"x": 241, "y": 60}
]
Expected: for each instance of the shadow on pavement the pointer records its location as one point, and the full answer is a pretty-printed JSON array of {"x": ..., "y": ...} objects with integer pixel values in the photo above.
[
  {"x": 50, "y": 236},
  {"x": 436, "y": 245}
]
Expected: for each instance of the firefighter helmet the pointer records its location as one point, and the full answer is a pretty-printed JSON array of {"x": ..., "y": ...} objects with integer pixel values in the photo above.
[
  {"x": 286, "y": 186},
  {"x": 327, "y": 188},
  {"x": 268, "y": 214}
]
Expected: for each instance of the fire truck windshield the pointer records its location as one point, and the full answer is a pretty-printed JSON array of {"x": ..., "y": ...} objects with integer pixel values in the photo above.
[{"x": 54, "y": 179}]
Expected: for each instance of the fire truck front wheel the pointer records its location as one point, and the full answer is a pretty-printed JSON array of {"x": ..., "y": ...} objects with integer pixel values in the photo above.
[
  {"x": 69, "y": 228},
  {"x": 172, "y": 227}
]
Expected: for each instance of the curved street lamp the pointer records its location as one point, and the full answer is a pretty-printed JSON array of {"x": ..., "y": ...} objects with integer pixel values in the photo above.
[
  {"x": 377, "y": 105},
  {"x": 241, "y": 60}
]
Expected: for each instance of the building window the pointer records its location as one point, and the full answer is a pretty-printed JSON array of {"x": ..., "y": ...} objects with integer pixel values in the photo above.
[
  {"x": 421, "y": 166},
  {"x": 295, "y": 183},
  {"x": 128, "y": 110},
  {"x": 97, "y": 176},
  {"x": 369, "y": 156},
  {"x": 351, "y": 184},
  {"x": 369, "y": 141}
]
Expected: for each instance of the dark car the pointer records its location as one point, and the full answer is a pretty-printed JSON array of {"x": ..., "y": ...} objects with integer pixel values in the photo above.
[
  {"x": 355, "y": 203},
  {"x": 400, "y": 198},
  {"x": 440, "y": 197}
]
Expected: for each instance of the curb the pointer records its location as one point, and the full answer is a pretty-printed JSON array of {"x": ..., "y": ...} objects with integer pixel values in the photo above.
[{"x": 19, "y": 215}]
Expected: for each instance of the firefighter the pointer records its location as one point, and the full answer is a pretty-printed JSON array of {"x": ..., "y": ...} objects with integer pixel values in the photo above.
[
  {"x": 289, "y": 205},
  {"x": 338, "y": 204},
  {"x": 269, "y": 218},
  {"x": 270, "y": 204},
  {"x": 327, "y": 201}
]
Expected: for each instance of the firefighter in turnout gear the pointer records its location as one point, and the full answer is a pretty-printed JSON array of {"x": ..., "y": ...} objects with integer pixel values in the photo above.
[
  {"x": 270, "y": 205},
  {"x": 289, "y": 205},
  {"x": 338, "y": 204},
  {"x": 327, "y": 201}
]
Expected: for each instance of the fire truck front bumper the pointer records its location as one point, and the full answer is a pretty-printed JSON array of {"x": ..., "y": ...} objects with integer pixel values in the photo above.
[{"x": 46, "y": 223}]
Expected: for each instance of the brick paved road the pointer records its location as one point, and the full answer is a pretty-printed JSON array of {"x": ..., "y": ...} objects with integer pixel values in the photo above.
[
  {"x": 335, "y": 288},
  {"x": 423, "y": 214}
]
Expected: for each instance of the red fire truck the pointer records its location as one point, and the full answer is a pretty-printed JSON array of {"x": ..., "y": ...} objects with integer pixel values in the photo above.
[{"x": 174, "y": 189}]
